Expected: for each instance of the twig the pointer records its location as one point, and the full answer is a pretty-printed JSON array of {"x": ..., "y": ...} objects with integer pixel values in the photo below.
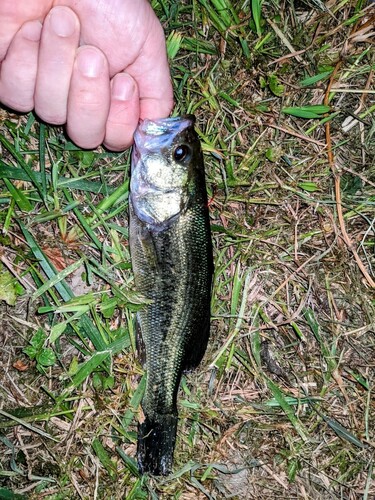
[
  {"x": 9, "y": 265},
  {"x": 295, "y": 134},
  {"x": 288, "y": 56},
  {"x": 284, "y": 39}
]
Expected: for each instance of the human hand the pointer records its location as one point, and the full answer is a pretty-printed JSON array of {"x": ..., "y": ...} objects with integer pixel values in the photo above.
[{"x": 97, "y": 66}]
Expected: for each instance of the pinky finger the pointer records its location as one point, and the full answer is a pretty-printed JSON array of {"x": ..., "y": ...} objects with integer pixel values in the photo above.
[
  {"x": 123, "y": 114},
  {"x": 19, "y": 68}
]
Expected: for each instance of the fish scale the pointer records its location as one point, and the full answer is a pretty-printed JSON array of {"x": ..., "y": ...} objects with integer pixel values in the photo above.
[{"x": 172, "y": 263}]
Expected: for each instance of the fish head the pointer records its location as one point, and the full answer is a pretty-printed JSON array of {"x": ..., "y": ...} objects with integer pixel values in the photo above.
[{"x": 165, "y": 159}]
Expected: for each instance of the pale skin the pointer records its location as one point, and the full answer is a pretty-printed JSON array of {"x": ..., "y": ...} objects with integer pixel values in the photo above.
[{"x": 98, "y": 66}]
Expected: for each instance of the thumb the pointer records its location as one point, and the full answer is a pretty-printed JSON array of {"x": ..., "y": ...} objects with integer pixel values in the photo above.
[{"x": 152, "y": 74}]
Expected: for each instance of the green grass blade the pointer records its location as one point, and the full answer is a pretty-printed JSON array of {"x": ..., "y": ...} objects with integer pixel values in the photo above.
[
  {"x": 22, "y": 163},
  {"x": 61, "y": 287},
  {"x": 79, "y": 183},
  {"x": 174, "y": 41},
  {"x": 288, "y": 410},
  {"x": 88, "y": 367},
  {"x": 256, "y": 9},
  {"x": 104, "y": 458},
  {"x": 6, "y": 494},
  {"x": 198, "y": 46},
  {"x": 221, "y": 23},
  {"x": 312, "y": 80},
  {"x": 92, "y": 333},
  {"x": 32, "y": 428},
  {"x": 42, "y": 158},
  {"x": 313, "y": 324},
  {"x": 85, "y": 324},
  {"x": 134, "y": 404},
  {"x": 84, "y": 223},
  {"x": 114, "y": 198},
  {"x": 19, "y": 197},
  {"x": 130, "y": 463},
  {"x": 57, "y": 278},
  {"x": 342, "y": 432},
  {"x": 8, "y": 217},
  {"x": 307, "y": 112}
]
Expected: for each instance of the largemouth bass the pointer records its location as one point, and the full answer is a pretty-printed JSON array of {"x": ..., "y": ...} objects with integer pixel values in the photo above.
[{"x": 171, "y": 251}]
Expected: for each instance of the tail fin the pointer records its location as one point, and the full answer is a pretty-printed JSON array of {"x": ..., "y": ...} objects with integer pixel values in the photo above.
[{"x": 156, "y": 441}]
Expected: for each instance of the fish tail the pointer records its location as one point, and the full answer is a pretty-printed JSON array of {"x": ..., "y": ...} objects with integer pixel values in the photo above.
[{"x": 156, "y": 441}]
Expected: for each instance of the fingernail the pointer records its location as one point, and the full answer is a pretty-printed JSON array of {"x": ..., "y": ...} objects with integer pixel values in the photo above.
[
  {"x": 90, "y": 62},
  {"x": 32, "y": 31},
  {"x": 123, "y": 87},
  {"x": 63, "y": 22}
]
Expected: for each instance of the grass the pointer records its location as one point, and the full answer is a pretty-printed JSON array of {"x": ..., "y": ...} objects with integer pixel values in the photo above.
[{"x": 282, "y": 405}]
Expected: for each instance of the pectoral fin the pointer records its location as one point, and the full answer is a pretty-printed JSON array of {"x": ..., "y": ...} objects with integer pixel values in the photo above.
[{"x": 141, "y": 348}]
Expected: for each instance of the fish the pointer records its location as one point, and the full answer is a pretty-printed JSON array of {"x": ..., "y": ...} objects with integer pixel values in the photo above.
[{"x": 171, "y": 254}]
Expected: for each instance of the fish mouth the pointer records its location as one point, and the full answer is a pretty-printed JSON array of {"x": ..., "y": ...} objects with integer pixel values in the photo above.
[{"x": 164, "y": 125}]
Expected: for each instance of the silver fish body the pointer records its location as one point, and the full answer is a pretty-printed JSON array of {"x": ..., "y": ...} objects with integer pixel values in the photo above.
[{"x": 171, "y": 250}]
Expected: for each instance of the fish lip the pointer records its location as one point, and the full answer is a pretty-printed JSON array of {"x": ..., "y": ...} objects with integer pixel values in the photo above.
[{"x": 162, "y": 126}]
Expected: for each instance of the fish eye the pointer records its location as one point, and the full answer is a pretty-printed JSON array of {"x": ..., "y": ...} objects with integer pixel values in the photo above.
[{"x": 181, "y": 152}]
